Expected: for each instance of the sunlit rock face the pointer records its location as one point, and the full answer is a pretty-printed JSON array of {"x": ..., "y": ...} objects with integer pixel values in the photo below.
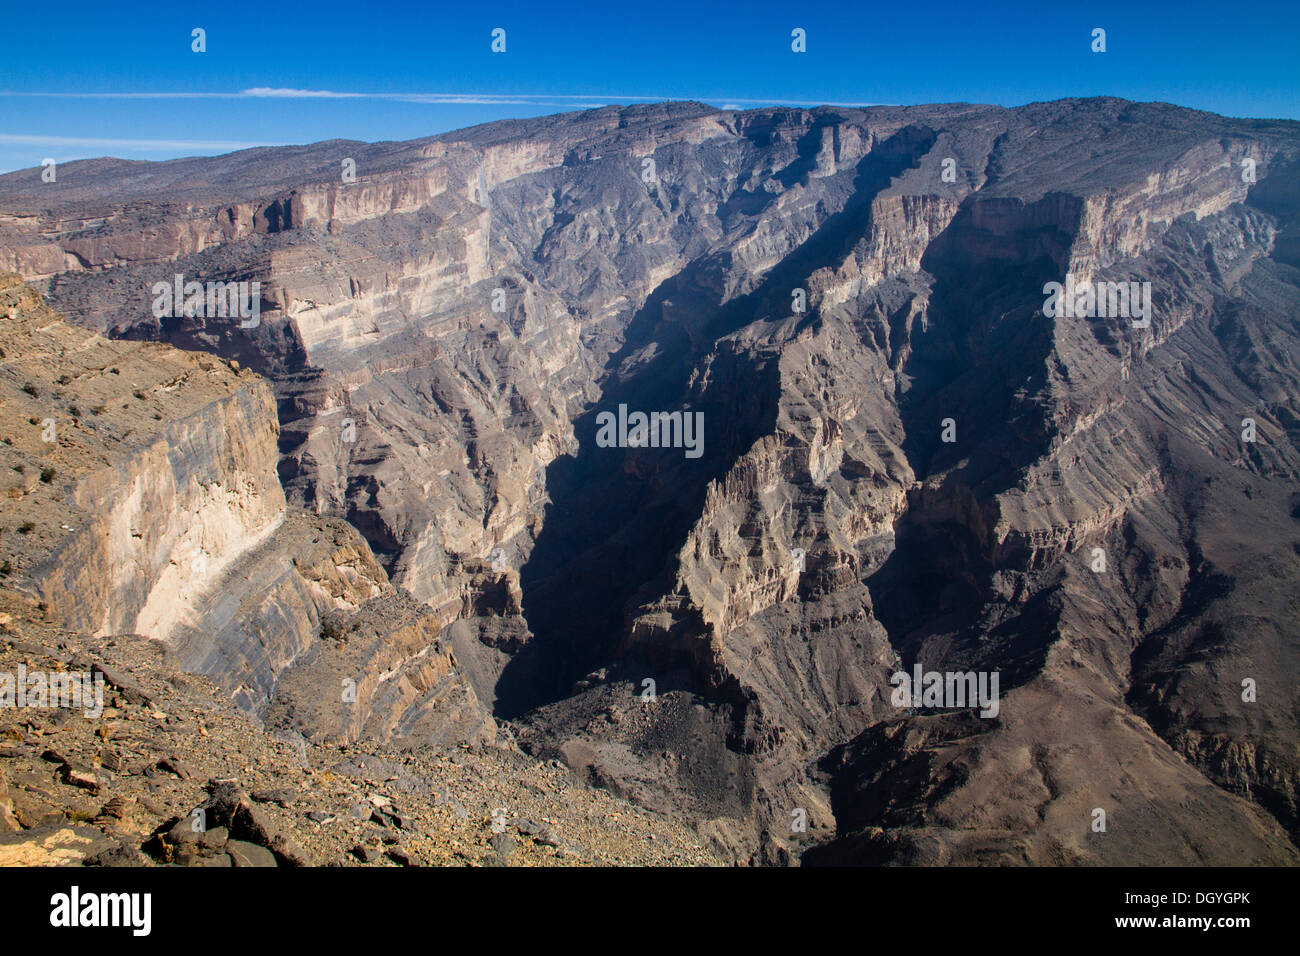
[
  {"x": 145, "y": 501},
  {"x": 904, "y": 460}
]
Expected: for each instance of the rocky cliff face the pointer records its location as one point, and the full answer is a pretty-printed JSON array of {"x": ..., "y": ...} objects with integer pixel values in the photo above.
[
  {"x": 904, "y": 460},
  {"x": 164, "y": 464},
  {"x": 144, "y": 500}
]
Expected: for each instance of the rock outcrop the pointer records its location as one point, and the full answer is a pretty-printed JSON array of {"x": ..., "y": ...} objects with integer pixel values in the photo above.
[{"x": 145, "y": 500}]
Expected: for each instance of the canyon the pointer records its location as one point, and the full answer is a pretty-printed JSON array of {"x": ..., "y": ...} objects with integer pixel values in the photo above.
[{"x": 395, "y": 477}]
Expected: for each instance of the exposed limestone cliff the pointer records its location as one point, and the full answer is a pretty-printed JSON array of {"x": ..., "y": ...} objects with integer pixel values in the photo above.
[
  {"x": 154, "y": 508},
  {"x": 163, "y": 464}
]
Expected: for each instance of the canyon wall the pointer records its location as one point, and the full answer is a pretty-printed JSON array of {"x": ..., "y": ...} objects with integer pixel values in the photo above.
[
  {"x": 905, "y": 461},
  {"x": 147, "y": 502}
]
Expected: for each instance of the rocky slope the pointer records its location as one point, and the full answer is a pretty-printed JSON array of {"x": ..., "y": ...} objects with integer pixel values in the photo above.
[
  {"x": 144, "y": 499},
  {"x": 123, "y": 789},
  {"x": 839, "y": 292}
]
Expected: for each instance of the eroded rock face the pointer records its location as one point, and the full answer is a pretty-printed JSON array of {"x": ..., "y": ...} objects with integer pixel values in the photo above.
[
  {"x": 145, "y": 471},
  {"x": 827, "y": 535},
  {"x": 145, "y": 500}
]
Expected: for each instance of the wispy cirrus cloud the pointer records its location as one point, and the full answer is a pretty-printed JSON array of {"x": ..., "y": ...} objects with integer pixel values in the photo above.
[
  {"x": 538, "y": 99},
  {"x": 294, "y": 94},
  {"x": 473, "y": 99},
  {"x": 139, "y": 145},
  {"x": 121, "y": 95},
  {"x": 570, "y": 100}
]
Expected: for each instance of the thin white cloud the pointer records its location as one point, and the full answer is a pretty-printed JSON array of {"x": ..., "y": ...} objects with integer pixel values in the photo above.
[
  {"x": 584, "y": 100},
  {"x": 454, "y": 99},
  {"x": 125, "y": 95},
  {"x": 139, "y": 145},
  {"x": 289, "y": 93}
]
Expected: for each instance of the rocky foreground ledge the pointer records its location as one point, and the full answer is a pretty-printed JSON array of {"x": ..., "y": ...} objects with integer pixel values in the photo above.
[{"x": 122, "y": 790}]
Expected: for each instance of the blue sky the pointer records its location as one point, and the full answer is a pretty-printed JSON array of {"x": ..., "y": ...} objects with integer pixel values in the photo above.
[{"x": 80, "y": 79}]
